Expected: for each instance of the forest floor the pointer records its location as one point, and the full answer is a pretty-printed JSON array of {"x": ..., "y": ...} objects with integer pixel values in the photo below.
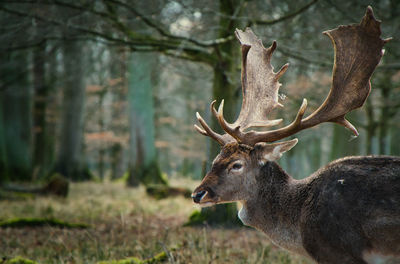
[{"x": 125, "y": 222}]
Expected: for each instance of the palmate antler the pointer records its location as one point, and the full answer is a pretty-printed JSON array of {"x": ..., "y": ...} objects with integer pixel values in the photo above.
[{"x": 358, "y": 50}]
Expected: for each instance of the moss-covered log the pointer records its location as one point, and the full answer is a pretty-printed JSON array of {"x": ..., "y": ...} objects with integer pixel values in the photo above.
[
  {"x": 38, "y": 222},
  {"x": 209, "y": 217},
  {"x": 159, "y": 258},
  {"x": 10, "y": 195},
  {"x": 57, "y": 185},
  {"x": 17, "y": 260},
  {"x": 160, "y": 191}
]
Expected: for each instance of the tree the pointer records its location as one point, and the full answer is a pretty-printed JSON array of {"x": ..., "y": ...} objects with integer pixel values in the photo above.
[
  {"x": 70, "y": 162},
  {"x": 15, "y": 103},
  {"x": 40, "y": 100},
  {"x": 144, "y": 167}
]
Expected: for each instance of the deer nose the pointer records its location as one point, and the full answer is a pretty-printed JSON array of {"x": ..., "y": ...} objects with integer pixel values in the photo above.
[{"x": 198, "y": 196}]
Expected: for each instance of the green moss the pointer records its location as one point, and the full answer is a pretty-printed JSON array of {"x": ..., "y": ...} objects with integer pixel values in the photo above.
[
  {"x": 123, "y": 178},
  {"x": 160, "y": 191},
  {"x": 147, "y": 175},
  {"x": 37, "y": 222},
  {"x": 159, "y": 258},
  {"x": 157, "y": 191},
  {"x": 224, "y": 216},
  {"x": 11, "y": 195},
  {"x": 18, "y": 260},
  {"x": 123, "y": 261},
  {"x": 196, "y": 218}
]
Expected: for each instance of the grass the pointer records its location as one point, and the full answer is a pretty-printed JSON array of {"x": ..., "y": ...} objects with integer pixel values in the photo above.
[{"x": 126, "y": 224}]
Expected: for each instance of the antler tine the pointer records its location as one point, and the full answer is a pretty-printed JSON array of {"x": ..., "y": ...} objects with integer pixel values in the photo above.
[
  {"x": 282, "y": 71},
  {"x": 253, "y": 137},
  {"x": 235, "y": 132},
  {"x": 207, "y": 131}
]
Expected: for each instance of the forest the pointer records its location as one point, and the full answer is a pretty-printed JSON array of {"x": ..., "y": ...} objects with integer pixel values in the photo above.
[{"x": 98, "y": 153}]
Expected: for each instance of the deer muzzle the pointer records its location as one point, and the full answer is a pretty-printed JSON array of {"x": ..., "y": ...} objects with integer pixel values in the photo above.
[
  {"x": 204, "y": 195},
  {"x": 198, "y": 196}
]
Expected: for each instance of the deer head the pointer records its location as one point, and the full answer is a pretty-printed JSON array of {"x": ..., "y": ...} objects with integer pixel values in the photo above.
[{"x": 358, "y": 50}]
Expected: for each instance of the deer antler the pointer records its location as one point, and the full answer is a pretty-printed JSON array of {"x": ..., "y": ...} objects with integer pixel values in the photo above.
[{"x": 358, "y": 50}]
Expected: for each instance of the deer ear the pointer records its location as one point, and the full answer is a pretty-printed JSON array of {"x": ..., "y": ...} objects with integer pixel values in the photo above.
[{"x": 272, "y": 152}]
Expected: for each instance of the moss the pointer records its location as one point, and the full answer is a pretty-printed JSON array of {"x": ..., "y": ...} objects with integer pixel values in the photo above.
[
  {"x": 147, "y": 175},
  {"x": 196, "y": 218},
  {"x": 11, "y": 195},
  {"x": 123, "y": 261},
  {"x": 18, "y": 260},
  {"x": 56, "y": 185},
  {"x": 225, "y": 216},
  {"x": 37, "y": 222},
  {"x": 124, "y": 178},
  {"x": 159, "y": 191},
  {"x": 159, "y": 258}
]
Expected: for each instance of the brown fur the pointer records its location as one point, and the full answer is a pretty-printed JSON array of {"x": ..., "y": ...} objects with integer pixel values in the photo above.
[{"x": 337, "y": 215}]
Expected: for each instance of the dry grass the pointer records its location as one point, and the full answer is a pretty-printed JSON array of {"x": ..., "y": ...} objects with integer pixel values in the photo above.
[{"x": 127, "y": 223}]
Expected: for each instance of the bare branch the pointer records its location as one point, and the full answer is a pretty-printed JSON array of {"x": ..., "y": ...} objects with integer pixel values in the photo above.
[
  {"x": 164, "y": 33},
  {"x": 133, "y": 40},
  {"x": 285, "y": 17},
  {"x": 291, "y": 54}
]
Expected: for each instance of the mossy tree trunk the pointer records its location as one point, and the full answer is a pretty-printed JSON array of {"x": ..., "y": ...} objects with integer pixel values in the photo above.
[{"x": 143, "y": 166}]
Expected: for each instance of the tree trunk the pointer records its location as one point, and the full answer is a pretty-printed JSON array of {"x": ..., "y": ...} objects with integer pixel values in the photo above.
[
  {"x": 118, "y": 71},
  {"x": 371, "y": 128},
  {"x": 39, "y": 112},
  {"x": 16, "y": 121},
  {"x": 3, "y": 147},
  {"x": 385, "y": 86},
  {"x": 70, "y": 161},
  {"x": 144, "y": 167}
]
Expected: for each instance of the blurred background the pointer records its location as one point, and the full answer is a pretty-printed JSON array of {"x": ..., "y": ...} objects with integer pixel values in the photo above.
[{"x": 108, "y": 90}]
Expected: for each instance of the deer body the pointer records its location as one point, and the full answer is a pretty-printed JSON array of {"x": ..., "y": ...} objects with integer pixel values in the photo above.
[
  {"x": 345, "y": 210},
  {"x": 342, "y": 212}
]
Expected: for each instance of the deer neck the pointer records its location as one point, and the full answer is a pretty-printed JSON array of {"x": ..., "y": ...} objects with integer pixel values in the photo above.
[{"x": 275, "y": 206}]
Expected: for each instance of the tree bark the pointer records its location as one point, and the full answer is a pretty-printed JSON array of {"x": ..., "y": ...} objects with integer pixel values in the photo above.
[
  {"x": 70, "y": 161},
  {"x": 39, "y": 111},
  {"x": 371, "y": 128},
  {"x": 16, "y": 121},
  {"x": 144, "y": 167},
  {"x": 385, "y": 86},
  {"x": 118, "y": 71}
]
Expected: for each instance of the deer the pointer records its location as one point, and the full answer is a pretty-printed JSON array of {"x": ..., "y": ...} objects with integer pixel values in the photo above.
[{"x": 345, "y": 212}]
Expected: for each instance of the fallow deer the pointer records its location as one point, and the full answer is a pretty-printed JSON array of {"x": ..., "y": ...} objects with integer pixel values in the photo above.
[{"x": 341, "y": 213}]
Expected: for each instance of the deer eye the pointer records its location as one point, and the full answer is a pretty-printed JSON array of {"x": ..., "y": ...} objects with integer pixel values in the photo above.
[{"x": 237, "y": 166}]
